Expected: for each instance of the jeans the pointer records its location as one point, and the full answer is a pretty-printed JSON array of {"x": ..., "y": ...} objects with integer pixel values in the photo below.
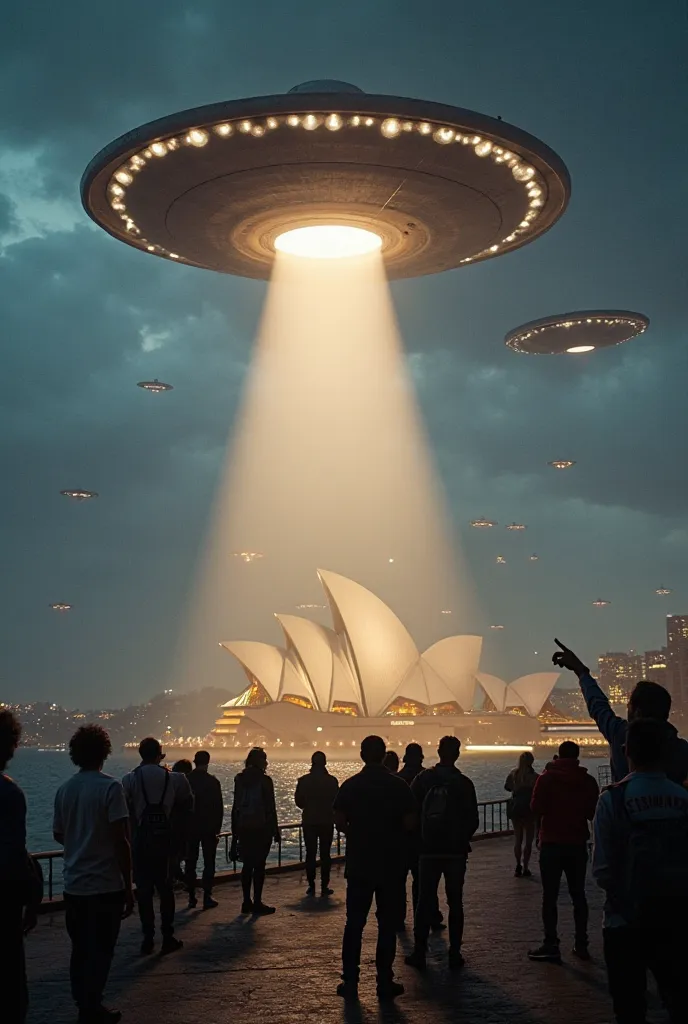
[
  {"x": 93, "y": 924},
  {"x": 314, "y": 836},
  {"x": 13, "y": 988},
  {"x": 431, "y": 869},
  {"x": 207, "y": 842},
  {"x": 389, "y": 896},
  {"x": 571, "y": 860},
  {"x": 629, "y": 954},
  {"x": 149, "y": 877}
]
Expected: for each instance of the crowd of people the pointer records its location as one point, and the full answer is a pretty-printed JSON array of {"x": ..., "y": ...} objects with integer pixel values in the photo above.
[{"x": 126, "y": 842}]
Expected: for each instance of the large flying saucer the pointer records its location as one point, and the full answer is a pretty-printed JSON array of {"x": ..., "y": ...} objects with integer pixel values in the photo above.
[
  {"x": 576, "y": 333},
  {"x": 215, "y": 186}
]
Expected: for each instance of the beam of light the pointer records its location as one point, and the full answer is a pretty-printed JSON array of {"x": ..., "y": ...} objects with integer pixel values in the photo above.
[
  {"x": 328, "y": 241},
  {"x": 329, "y": 467},
  {"x": 578, "y": 349}
]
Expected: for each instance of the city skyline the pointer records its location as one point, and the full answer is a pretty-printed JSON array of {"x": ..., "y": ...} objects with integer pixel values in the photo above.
[{"x": 87, "y": 319}]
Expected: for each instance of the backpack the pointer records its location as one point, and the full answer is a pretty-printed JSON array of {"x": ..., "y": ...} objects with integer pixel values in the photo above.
[
  {"x": 153, "y": 833},
  {"x": 438, "y": 818},
  {"x": 654, "y": 886},
  {"x": 251, "y": 811}
]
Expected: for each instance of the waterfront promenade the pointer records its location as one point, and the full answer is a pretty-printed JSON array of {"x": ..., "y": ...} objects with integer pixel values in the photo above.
[{"x": 285, "y": 968}]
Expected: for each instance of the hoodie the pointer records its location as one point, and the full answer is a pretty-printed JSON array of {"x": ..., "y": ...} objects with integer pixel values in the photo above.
[
  {"x": 614, "y": 729},
  {"x": 565, "y": 798}
]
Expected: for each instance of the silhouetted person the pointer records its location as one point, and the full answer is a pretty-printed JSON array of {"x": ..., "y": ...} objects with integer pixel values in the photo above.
[
  {"x": 375, "y": 810},
  {"x": 20, "y": 886},
  {"x": 413, "y": 762},
  {"x": 204, "y": 828},
  {"x": 180, "y": 821},
  {"x": 520, "y": 783},
  {"x": 647, "y": 700},
  {"x": 391, "y": 761},
  {"x": 564, "y": 799},
  {"x": 315, "y": 795},
  {"x": 641, "y": 861},
  {"x": 254, "y": 827},
  {"x": 448, "y": 810},
  {"x": 413, "y": 766},
  {"x": 92, "y": 824},
  {"x": 155, "y": 795}
]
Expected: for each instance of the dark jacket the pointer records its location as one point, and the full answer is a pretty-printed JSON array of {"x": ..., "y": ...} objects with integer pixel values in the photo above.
[
  {"x": 246, "y": 783},
  {"x": 565, "y": 798},
  {"x": 465, "y": 820},
  {"x": 410, "y": 770},
  {"x": 209, "y": 807},
  {"x": 614, "y": 729},
  {"x": 315, "y": 794}
]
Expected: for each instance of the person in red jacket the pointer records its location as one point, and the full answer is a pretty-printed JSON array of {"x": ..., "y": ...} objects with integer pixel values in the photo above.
[{"x": 564, "y": 799}]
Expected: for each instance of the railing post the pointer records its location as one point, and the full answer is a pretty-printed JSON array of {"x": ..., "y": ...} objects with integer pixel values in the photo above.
[
  {"x": 279, "y": 848},
  {"x": 50, "y": 878},
  {"x": 300, "y": 844}
]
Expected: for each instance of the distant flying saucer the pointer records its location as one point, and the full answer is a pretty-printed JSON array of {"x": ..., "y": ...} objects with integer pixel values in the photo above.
[
  {"x": 224, "y": 186},
  {"x": 310, "y": 605},
  {"x": 561, "y": 463},
  {"x": 79, "y": 495},
  {"x": 662, "y": 591},
  {"x": 576, "y": 333},
  {"x": 533, "y": 558},
  {"x": 599, "y": 603},
  {"x": 156, "y": 386},
  {"x": 446, "y": 611},
  {"x": 247, "y": 556},
  {"x": 516, "y": 526},
  {"x": 500, "y": 560},
  {"x": 496, "y": 627},
  {"x": 61, "y": 606},
  {"x": 483, "y": 524}
]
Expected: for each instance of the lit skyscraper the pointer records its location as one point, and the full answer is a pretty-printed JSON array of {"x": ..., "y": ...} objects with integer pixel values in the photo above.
[
  {"x": 677, "y": 659},
  {"x": 618, "y": 672},
  {"x": 655, "y": 667}
]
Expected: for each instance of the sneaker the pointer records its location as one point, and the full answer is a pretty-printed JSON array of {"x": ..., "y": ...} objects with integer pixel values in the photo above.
[
  {"x": 527, "y": 873},
  {"x": 247, "y": 907},
  {"x": 102, "y": 1015},
  {"x": 147, "y": 946},
  {"x": 518, "y": 871},
  {"x": 263, "y": 909},
  {"x": 170, "y": 945},
  {"x": 546, "y": 953},
  {"x": 193, "y": 902},
  {"x": 348, "y": 991},
  {"x": 580, "y": 949},
  {"x": 390, "y": 990},
  {"x": 416, "y": 959},
  {"x": 310, "y": 891},
  {"x": 326, "y": 891},
  {"x": 456, "y": 961}
]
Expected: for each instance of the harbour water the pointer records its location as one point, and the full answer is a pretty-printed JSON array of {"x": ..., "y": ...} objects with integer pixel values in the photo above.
[{"x": 39, "y": 773}]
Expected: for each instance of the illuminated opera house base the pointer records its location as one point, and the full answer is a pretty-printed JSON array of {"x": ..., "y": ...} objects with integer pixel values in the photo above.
[{"x": 330, "y": 687}]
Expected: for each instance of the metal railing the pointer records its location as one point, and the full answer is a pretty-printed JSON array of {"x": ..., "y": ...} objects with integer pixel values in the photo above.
[{"x": 493, "y": 821}]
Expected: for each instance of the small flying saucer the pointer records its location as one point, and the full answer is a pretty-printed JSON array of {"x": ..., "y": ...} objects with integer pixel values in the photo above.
[
  {"x": 599, "y": 603},
  {"x": 446, "y": 611},
  {"x": 497, "y": 627},
  {"x": 576, "y": 333},
  {"x": 662, "y": 591},
  {"x": 517, "y": 526},
  {"x": 561, "y": 463},
  {"x": 310, "y": 604},
  {"x": 248, "y": 556},
  {"x": 500, "y": 560},
  {"x": 483, "y": 524},
  {"x": 156, "y": 386},
  {"x": 77, "y": 494},
  {"x": 61, "y": 606},
  {"x": 533, "y": 558}
]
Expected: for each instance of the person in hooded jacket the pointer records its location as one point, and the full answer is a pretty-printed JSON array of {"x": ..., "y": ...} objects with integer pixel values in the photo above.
[
  {"x": 254, "y": 827},
  {"x": 315, "y": 795},
  {"x": 564, "y": 799},
  {"x": 647, "y": 700}
]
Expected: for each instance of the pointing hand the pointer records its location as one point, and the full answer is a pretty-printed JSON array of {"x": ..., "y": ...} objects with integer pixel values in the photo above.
[{"x": 565, "y": 658}]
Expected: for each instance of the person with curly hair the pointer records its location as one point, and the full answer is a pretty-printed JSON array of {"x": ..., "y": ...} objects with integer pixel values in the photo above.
[
  {"x": 92, "y": 823},
  {"x": 19, "y": 889}
]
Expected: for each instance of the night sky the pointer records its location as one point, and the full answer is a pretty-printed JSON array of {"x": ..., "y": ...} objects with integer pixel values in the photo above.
[{"x": 85, "y": 317}]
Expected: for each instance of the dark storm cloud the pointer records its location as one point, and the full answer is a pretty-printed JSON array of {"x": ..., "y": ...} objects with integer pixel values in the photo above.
[{"x": 84, "y": 318}]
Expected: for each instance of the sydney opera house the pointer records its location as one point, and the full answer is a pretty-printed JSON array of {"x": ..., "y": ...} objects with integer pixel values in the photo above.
[{"x": 332, "y": 686}]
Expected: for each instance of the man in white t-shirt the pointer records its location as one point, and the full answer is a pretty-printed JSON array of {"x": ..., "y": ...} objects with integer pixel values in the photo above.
[
  {"x": 152, "y": 794},
  {"x": 92, "y": 823}
]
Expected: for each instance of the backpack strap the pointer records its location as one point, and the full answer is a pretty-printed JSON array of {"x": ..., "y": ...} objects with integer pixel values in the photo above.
[{"x": 143, "y": 785}]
